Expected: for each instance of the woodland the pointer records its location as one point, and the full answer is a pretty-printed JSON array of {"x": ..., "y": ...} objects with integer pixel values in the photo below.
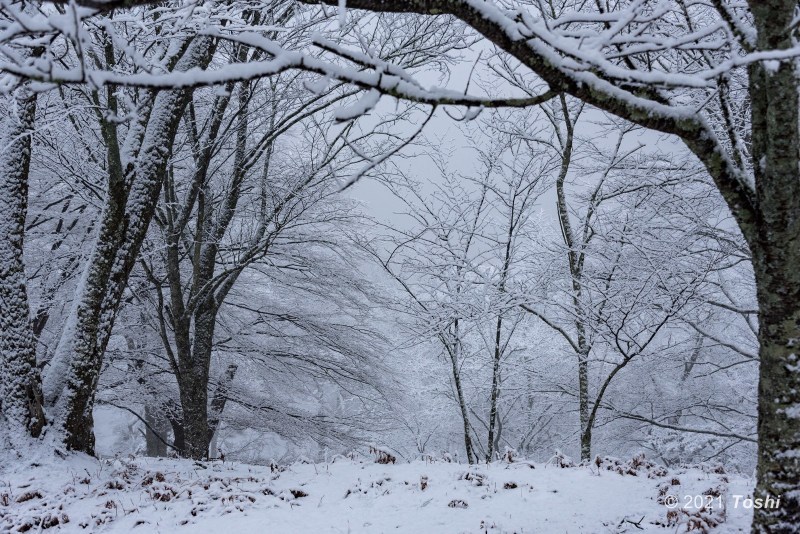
[{"x": 270, "y": 231}]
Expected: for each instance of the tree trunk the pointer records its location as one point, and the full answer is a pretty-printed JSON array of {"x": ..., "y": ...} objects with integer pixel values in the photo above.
[
  {"x": 779, "y": 395},
  {"x": 175, "y": 419},
  {"x": 775, "y": 246},
  {"x": 495, "y": 393},
  {"x": 155, "y": 432},
  {"x": 194, "y": 404},
  {"x": 583, "y": 403},
  {"x": 494, "y": 440},
  {"x": 193, "y": 384},
  {"x": 454, "y": 352},
  {"x": 575, "y": 264},
  {"x": 462, "y": 405},
  {"x": 21, "y": 401}
]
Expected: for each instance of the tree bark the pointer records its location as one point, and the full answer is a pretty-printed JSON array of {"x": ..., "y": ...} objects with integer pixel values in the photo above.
[
  {"x": 776, "y": 256},
  {"x": 193, "y": 384},
  {"x": 21, "y": 401},
  {"x": 779, "y": 389}
]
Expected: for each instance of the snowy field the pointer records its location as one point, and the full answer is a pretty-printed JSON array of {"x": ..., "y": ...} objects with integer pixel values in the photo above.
[{"x": 81, "y": 494}]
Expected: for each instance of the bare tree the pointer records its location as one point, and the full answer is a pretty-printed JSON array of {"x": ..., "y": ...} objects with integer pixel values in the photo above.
[{"x": 432, "y": 263}]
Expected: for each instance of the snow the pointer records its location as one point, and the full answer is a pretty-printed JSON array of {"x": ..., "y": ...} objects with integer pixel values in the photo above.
[
  {"x": 793, "y": 411},
  {"x": 342, "y": 8},
  {"x": 346, "y": 495},
  {"x": 772, "y": 65},
  {"x": 361, "y": 107}
]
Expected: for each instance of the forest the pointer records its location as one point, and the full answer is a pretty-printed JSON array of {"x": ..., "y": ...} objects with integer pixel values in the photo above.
[{"x": 406, "y": 252}]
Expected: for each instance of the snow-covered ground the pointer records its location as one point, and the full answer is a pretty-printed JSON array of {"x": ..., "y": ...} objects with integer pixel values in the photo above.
[{"x": 81, "y": 494}]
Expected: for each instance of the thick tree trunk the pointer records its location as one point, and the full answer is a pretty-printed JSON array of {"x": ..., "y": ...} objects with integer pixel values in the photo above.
[
  {"x": 194, "y": 404},
  {"x": 776, "y": 257},
  {"x": 200, "y": 419},
  {"x": 779, "y": 394},
  {"x": 775, "y": 246},
  {"x": 193, "y": 384},
  {"x": 21, "y": 400}
]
